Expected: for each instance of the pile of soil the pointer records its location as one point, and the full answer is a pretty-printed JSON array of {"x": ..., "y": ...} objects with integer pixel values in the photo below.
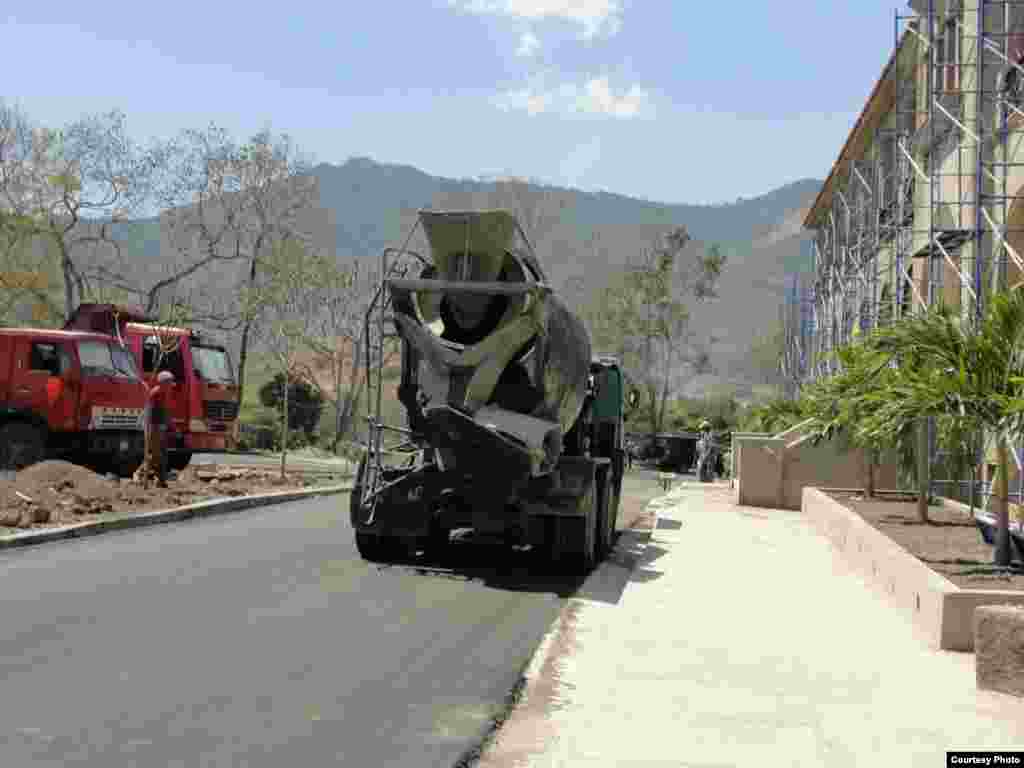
[
  {"x": 57, "y": 492},
  {"x": 950, "y": 543}
]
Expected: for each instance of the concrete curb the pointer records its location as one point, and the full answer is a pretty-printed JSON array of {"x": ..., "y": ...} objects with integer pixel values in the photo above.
[
  {"x": 942, "y": 611},
  {"x": 200, "y": 509}
]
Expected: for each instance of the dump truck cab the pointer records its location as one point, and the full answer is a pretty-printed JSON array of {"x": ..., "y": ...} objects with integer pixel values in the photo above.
[
  {"x": 69, "y": 394},
  {"x": 203, "y": 402}
]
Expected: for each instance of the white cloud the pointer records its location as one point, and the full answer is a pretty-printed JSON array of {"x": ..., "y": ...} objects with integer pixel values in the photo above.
[
  {"x": 594, "y": 97},
  {"x": 528, "y": 45},
  {"x": 594, "y": 16}
]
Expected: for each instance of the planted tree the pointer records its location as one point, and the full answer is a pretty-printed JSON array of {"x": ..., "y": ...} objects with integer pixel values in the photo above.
[
  {"x": 290, "y": 299},
  {"x": 643, "y": 315},
  {"x": 970, "y": 377},
  {"x": 305, "y": 401}
]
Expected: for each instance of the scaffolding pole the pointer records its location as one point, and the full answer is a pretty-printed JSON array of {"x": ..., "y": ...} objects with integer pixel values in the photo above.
[{"x": 924, "y": 210}]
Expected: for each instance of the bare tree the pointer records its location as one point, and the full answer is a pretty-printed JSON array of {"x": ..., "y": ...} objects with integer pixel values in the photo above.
[
  {"x": 337, "y": 339},
  {"x": 259, "y": 195},
  {"x": 71, "y": 189}
]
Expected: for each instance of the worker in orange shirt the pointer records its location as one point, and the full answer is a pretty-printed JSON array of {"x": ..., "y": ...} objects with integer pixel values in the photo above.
[{"x": 157, "y": 418}]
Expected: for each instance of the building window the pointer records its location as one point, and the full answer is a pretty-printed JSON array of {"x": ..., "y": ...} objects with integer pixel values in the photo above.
[
  {"x": 1012, "y": 86},
  {"x": 947, "y": 58}
]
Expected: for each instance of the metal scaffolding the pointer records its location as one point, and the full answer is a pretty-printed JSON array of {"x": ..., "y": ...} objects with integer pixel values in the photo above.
[{"x": 920, "y": 208}]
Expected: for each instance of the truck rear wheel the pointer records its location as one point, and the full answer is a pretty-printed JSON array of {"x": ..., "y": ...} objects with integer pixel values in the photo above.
[
  {"x": 21, "y": 445},
  {"x": 178, "y": 460},
  {"x": 378, "y": 549},
  {"x": 605, "y": 521}
]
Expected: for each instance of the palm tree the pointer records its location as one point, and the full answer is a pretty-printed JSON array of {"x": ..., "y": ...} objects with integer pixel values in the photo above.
[
  {"x": 972, "y": 378},
  {"x": 838, "y": 407}
]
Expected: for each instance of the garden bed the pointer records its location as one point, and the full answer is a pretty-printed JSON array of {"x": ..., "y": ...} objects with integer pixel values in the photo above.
[{"x": 950, "y": 544}]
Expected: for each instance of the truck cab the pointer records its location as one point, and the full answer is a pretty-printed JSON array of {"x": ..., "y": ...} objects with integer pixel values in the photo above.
[
  {"x": 203, "y": 402},
  {"x": 68, "y": 394}
]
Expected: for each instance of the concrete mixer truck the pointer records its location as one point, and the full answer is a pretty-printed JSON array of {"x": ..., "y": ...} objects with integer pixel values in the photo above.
[{"x": 514, "y": 428}]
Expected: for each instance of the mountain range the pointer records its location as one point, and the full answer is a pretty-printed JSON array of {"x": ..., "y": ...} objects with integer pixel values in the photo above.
[{"x": 587, "y": 235}]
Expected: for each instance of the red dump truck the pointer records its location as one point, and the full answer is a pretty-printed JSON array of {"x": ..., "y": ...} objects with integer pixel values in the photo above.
[
  {"x": 204, "y": 399},
  {"x": 71, "y": 395}
]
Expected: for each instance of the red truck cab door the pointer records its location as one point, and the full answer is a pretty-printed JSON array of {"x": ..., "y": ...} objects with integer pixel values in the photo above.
[{"x": 39, "y": 382}]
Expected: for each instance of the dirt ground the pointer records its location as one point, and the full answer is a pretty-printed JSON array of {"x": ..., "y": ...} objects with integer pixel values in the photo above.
[
  {"x": 950, "y": 544},
  {"x": 57, "y": 493}
]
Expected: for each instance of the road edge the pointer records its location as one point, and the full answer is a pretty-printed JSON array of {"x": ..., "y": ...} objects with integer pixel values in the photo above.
[
  {"x": 630, "y": 548},
  {"x": 206, "y": 508}
]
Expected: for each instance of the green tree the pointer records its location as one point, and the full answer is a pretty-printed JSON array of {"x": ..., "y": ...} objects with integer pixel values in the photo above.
[
  {"x": 839, "y": 406},
  {"x": 305, "y": 401},
  {"x": 643, "y": 316},
  {"x": 972, "y": 378},
  {"x": 290, "y": 299}
]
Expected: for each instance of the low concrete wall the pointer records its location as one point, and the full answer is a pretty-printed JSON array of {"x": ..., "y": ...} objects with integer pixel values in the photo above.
[
  {"x": 759, "y": 483},
  {"x": 942, "y": 611},
  {"x": 773, "y": 471},
  {"x": 736, "y": 458},
  {"x": 999, "y": 649}
]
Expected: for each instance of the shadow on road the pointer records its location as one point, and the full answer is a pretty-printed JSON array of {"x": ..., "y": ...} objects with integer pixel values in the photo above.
[{"x": 508, "y": 568}]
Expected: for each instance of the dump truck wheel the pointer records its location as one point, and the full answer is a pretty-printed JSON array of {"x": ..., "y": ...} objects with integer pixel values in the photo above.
[
  {"x": 604, "y": 521},
  {"x": 377, "y": 549},
  {"x": 21, "y": 445},
  {"x": 178, "y": 460},
  {"x": 583, "y": 560}
]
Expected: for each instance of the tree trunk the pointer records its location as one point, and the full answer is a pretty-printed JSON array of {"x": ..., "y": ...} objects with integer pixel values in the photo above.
[
  {"x": 337, "y": 410},
  {"x": 284, "y": 423},
  {"x": 1002, "y": 549},
  {"x": 923, "y": 484},
  {"x": 871, "y": 460},
  {"x": 243, "y": 348}
]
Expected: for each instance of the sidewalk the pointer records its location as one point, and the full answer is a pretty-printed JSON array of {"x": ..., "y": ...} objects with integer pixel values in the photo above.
[{"x": 741, "y": 641}]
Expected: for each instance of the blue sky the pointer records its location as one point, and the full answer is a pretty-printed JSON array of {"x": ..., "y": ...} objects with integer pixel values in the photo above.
[{"x": 675, "y": 101}]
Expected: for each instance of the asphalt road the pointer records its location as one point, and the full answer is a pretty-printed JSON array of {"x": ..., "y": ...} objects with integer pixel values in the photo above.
[{"x": 261, "y": 639}]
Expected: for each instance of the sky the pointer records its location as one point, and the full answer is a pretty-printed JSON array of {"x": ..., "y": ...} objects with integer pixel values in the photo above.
[{"x": 676, "y": 101}]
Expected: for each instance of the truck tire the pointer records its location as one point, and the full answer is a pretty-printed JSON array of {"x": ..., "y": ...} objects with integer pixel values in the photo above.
[
  {"x": 21, "y": 445},
  {"x": 605, "y": 520},
  {"x": 178, "y": 460},
  {"x": 371, "y": 546},
  {"x": 378, "y": 549}
]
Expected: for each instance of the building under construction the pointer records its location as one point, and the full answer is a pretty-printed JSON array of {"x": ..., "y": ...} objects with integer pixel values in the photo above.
[{"x": 925, "y": 203}]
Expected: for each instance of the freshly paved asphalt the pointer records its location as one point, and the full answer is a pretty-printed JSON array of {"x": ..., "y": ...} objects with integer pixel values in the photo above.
[{"x": 259, "y": 639}]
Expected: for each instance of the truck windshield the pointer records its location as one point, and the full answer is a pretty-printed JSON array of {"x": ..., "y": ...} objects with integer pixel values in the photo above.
[
  {"x": 103, "y": 359},
  {"x": 212, "y": 364}
]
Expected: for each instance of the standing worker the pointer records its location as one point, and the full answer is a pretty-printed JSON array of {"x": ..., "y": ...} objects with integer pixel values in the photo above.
[{"x": 155, "y": 464}]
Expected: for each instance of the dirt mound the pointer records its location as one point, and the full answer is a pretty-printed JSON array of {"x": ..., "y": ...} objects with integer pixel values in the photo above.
[
  {"x": 57, "y": 492},
  {"x": 54, "y": 491}
]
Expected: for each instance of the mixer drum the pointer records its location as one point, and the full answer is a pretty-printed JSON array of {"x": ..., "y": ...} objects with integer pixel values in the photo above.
[{"x": 519, "y": 362}]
